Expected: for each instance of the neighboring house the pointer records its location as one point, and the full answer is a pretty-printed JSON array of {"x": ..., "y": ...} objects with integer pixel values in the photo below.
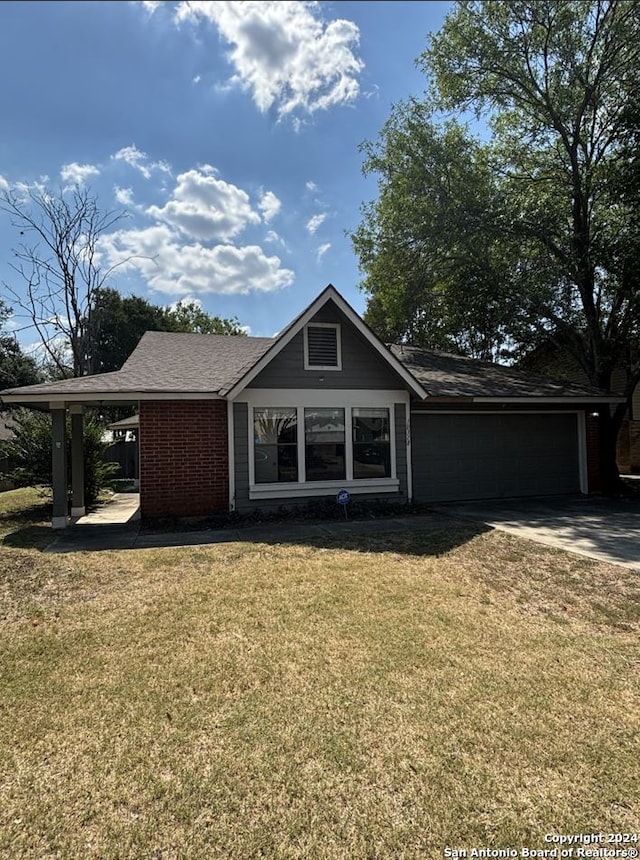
[
  {"x": 125, "y": 428},
  {"x": 122, "y": 448},
  {"x": 248, "y": 422},
  {"x": 558, "y": 363}
]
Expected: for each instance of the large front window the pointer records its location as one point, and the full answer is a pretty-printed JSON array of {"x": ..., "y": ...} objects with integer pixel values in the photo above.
[
  {"x": 311, "y": 449},
  {"x": 275, "y": 445},
  {"x": 324, "y": 444},
  {"x": 371, "y": 443}
]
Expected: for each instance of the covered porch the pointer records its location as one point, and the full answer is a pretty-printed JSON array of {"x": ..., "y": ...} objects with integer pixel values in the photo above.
[{"x": 68, "y": 458}]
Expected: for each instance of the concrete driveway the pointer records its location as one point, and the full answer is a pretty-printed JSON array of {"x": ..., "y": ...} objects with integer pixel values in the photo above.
[{"x": 604, "y": 529}]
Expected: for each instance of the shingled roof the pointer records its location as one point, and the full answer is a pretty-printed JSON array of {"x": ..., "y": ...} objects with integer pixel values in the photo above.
[
  {"x": 169, "y": 362},
  {"x": 446, "y": 375},
  {"x": 191, "y": 364}
]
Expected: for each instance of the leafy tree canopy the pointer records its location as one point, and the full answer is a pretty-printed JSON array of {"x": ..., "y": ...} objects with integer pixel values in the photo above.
[
  {"x": 530, "y": 233},
  {"x": 118, "y": 322},
  {"x": 16, "y": 368},
  {"x": 189, "y": 316}
]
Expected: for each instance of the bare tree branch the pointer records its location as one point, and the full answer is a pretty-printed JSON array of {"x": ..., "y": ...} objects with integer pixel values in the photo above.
[{"x": 59, "y": 265}]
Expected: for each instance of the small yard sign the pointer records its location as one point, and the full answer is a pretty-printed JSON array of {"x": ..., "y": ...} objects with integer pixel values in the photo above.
[{"x": 343, "y": 498}]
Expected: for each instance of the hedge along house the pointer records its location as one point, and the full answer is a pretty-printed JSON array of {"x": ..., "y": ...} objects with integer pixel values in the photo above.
[{"x": 237, "y": 423}]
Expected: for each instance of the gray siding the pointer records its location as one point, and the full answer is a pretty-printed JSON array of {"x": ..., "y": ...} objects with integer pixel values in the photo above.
[
  {"x": 362, "y": 366},
  {"x": 469, "y": 456}
]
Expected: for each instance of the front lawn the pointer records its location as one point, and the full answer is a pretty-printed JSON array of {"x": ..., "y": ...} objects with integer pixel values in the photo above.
[
  {"x": 25, "y": 517},
  {"x": 347, "y": 700}
]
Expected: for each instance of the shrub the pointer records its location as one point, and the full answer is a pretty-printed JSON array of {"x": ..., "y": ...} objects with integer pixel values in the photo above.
[{"x": 29, "y": 452}]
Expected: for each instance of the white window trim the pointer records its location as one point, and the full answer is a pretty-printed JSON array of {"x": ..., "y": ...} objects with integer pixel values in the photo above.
[
  {"x": 340, "y": 399},
  {"x": 323, "y": 488},
  {"x": 307, "y": 364}
]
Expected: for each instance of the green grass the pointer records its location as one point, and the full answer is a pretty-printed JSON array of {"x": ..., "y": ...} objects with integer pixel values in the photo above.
[
  {"x": 297, "y": 701},
  {"x": 25, "y": 516}
]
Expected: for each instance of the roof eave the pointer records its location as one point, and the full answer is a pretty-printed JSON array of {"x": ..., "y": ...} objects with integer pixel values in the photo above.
[
  {"x": 105, "y": 396},
  {"x": 565, "y": 398}
]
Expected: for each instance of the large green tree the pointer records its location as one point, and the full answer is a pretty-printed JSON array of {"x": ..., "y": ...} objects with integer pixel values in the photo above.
[
  {"x": 16, "y": 368},
  {"x": 118, "y": 322},
  {"x": 188, "y": 316},
  {"x": 530, "y": 231},
  {"x": 115, "y": 326}
]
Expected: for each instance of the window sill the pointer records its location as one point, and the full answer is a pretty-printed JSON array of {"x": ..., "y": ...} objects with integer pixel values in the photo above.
[{"x": 323, "y": 488}]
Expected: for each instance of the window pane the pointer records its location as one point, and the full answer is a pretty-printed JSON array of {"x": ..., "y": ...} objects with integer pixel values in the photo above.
[
  {"x": 275, "y": 445},
  {"x": 371, "y": 443},
  {"x": 324, "y": 444}
]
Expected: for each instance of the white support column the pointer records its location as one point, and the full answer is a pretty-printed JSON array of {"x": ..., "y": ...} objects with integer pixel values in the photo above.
[
  {"x": 60, "y": 515},
  {"x": 407, "y": 407},
  {"x": 77, "y": 461}
]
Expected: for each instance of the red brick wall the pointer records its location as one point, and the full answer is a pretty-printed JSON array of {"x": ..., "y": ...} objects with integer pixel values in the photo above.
[
  {"x": 593, "y": 452},
  {"x": 628, "y": 453},
  {"x": 634, "y": 445},
  {"x": 623, "y": 450},
  {"x": 183, "y": 457}
]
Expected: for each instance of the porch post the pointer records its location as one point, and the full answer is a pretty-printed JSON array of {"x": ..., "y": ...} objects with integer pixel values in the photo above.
[
  {"x": 77, "y": 461},
  {"x": 60, "y": 517}
]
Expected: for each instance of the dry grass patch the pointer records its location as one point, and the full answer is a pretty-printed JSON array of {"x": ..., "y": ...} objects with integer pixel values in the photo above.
[{"x": 302, "y": 701}]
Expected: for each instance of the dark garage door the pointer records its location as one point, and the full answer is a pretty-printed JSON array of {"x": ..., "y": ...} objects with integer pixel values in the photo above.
[{"x": 493, "y": 456}]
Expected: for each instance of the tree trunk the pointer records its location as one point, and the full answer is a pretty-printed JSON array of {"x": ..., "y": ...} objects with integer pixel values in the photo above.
[{"x": 610, "y": 424}]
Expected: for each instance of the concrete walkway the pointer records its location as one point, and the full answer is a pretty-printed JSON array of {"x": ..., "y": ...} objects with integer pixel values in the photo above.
[
  {"x": 110, "y": 535},
  {"x": 603, "y": 529},
  {"x": 120, "y": 509}
]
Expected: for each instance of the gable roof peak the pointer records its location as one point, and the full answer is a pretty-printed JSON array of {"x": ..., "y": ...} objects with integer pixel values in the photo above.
[{"x": 297, "y": 324}]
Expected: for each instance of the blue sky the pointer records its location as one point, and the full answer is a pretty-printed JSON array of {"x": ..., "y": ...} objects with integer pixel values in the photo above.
[{"x": 228, "y": 131}]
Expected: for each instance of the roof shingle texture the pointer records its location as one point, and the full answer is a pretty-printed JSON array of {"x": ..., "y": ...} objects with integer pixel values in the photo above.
[
  {"x": 446, "y": 375},
  {"x": 169, "y": 362}
]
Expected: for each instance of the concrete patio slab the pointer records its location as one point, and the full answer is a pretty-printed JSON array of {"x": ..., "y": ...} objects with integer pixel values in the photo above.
[
  {"x": 120, "y": 509},
  {"x": 604, "y": 529}
]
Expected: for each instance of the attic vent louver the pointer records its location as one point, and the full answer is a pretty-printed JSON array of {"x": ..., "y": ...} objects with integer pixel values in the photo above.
[{"x": 322, "y": 343}]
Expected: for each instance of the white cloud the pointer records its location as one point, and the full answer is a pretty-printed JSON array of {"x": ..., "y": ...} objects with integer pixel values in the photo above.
[
  {"x": 23, "y": 190},
  {"x": 322, "y": 250},
  {"x": 134, "y": 157},
  {"x": 192, "y": 269},
  {"x": 77, "y": 174},
  {"x": 275, "y": 238},
  {"x": 185, "y": 300},
  {"x": 124, "y": 196},
  {"x": 151, "y": 5},
  {"x": 4, "y": 185},
  {"x": 269, "y": 206},
  {"x": 315, "y": 222},
  {"x": 205, "y": 207},
  {"x": 284, "y": 53},
  {"x": 196, "y": 79},
  {"x": 311, "y": 185},
  {"x": 58, "y": 344}
]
